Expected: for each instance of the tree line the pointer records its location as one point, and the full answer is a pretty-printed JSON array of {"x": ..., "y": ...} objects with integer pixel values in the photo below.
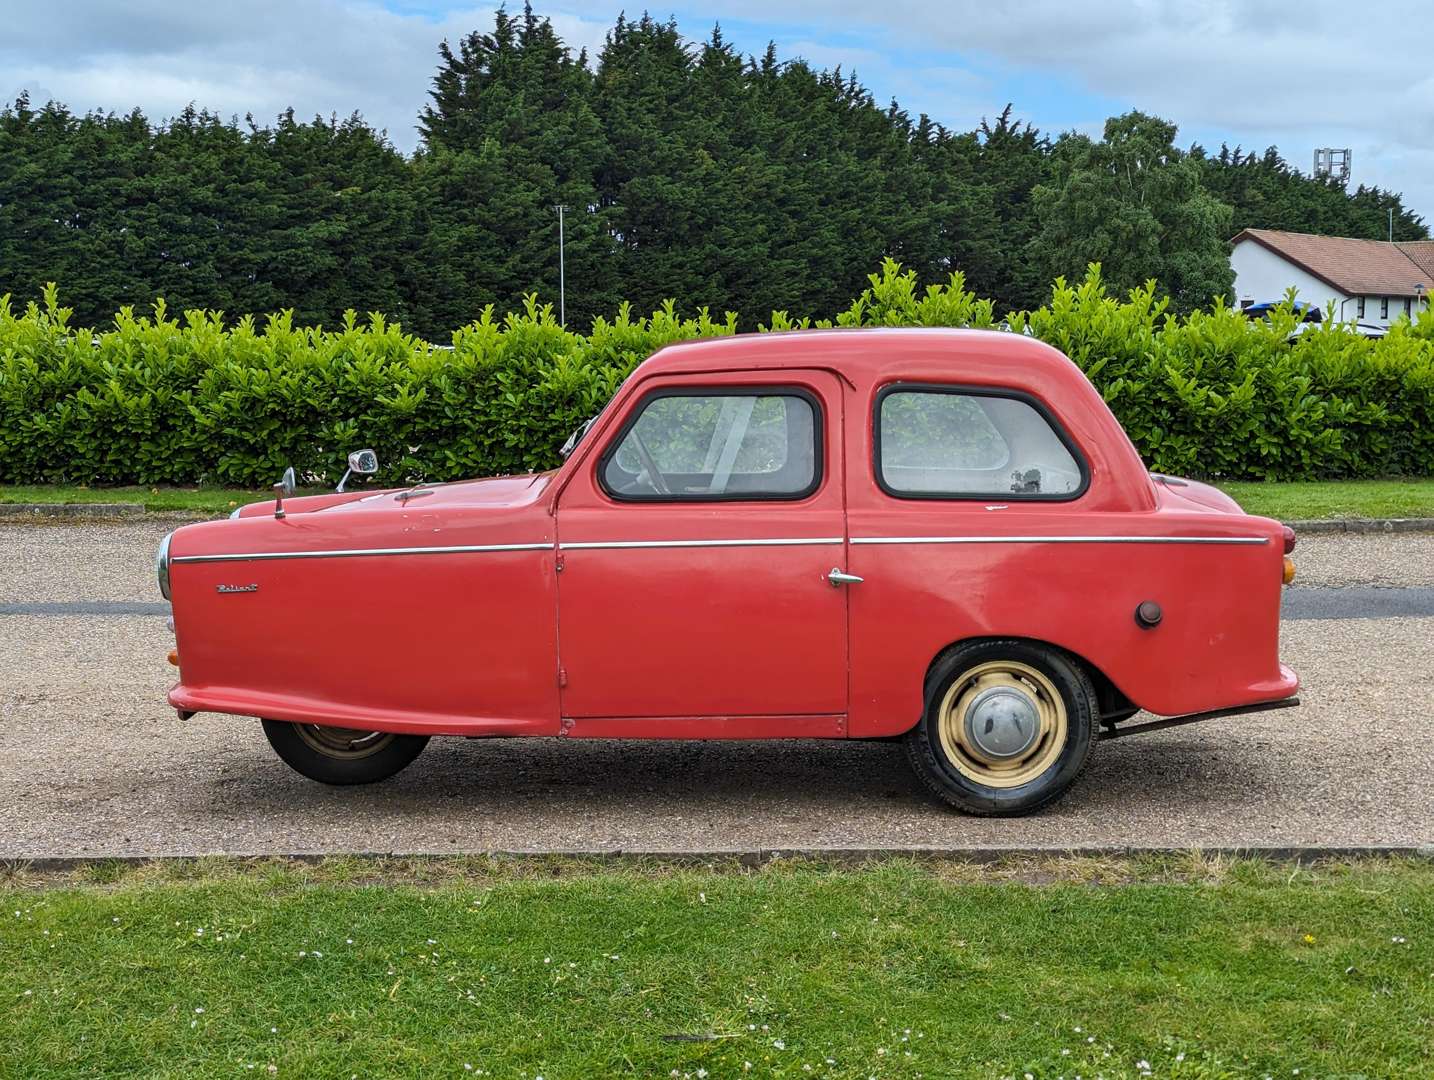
[{"x": 689, "y": 171}]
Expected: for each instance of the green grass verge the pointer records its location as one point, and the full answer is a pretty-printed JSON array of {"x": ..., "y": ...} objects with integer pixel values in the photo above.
[
  {"x": 1310, "y": 500},
  {"x": 892, "y": 970},
  {"x": 206, "y": 500},
  {"x": 1286, "y": 501}
]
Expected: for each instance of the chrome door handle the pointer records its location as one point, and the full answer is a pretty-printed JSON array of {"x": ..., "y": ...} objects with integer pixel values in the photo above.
[{"x": 836, "y": 577}]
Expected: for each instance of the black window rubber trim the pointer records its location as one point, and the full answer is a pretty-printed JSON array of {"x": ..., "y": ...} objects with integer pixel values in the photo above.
[
  {"x": 975, "y": 496},
  {"x": 749, "y": 390}
]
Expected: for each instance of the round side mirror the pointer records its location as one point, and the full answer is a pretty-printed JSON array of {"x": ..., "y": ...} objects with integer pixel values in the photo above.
[{"x": 282, "y": 490}]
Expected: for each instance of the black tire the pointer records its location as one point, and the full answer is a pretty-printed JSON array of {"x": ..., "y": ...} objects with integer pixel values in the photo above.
[
  {"x": 1059, "y": 759},
  {"x": 316, "y": 752}
]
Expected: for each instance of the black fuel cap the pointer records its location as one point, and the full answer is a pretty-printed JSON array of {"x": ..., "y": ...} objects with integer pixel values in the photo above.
[{"x": 1148, "y": 615}]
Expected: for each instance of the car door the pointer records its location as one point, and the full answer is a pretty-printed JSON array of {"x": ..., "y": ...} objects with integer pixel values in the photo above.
[
  {"x": 696, "y": 546},
  {"x": 965, "y": 492}
]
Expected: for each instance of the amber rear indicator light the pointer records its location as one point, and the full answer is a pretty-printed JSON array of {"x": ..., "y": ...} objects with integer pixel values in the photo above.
[
  {"x": 173, "y": 656},
  {"x": 1288, "y": 575}
]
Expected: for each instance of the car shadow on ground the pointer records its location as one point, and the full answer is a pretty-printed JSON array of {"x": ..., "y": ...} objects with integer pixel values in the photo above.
[{"x": 797, "y": 778}]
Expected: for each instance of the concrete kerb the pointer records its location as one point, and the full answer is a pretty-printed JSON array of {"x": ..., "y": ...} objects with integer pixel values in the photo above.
[
  {"x": 746, "y": 857},
  {"x": 72, "y": 511},
  {"x": 1364, "y": 525},
  {"x": 92, "y": 514}
]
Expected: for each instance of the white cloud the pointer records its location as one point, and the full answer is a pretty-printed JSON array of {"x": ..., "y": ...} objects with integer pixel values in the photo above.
[
  {"x": 320, "y": 56},
  {"x": 1252, "y": 72},
  {"x": 954, "y": 96}
]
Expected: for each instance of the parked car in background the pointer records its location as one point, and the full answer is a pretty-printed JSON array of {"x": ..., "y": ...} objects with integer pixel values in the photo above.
[
  {"x": 1307, "y": 312},
  {"x": 1310, "y": 316},
  {"x": 942, "y": 536}
]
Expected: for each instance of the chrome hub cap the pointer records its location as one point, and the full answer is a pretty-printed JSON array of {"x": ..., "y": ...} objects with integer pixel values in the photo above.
[
  {"x": 1002, "y": 724},
  {"x": 348, "y": 743}
]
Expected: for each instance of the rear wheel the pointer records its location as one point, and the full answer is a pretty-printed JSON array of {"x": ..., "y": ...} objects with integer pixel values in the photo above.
[
  {"x": 334, "y": 755},
  {"x": 1008, "y": 727}
]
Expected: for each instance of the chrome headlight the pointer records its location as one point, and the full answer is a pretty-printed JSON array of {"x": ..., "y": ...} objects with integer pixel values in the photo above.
[{"x": 161, "y": 565}]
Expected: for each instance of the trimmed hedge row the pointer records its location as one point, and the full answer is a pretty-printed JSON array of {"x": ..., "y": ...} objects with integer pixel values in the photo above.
[{"x": 162, "y": 400}]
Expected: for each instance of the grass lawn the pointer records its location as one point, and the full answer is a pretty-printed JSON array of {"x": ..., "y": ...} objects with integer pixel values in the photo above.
[
  {"x": 1175, "y": 968},
  {"x": 1308, "y": 500},
  {"x": 1287, "y": 501}
]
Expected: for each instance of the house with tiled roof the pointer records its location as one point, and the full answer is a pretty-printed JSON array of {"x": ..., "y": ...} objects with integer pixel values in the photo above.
[{"x": 1369, "y": 281}]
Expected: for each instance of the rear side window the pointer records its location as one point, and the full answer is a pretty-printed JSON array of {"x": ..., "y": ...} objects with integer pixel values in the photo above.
[
  {"x": 946, "y": 442},
  {"x": 717, "y": 445}
]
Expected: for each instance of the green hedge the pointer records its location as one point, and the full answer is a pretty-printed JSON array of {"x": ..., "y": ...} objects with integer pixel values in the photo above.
[{"x": 161, "y": 400}]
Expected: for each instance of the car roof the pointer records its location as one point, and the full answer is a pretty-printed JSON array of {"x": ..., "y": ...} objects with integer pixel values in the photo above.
[
  {"x": 1270, "y": 305},
  {"x": 865, "y": 352}
]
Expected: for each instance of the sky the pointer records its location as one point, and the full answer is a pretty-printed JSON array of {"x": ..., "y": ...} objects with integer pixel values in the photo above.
[{"x": 1247, "y": 72}]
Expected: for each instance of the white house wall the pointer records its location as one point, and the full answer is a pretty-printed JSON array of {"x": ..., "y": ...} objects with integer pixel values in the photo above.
[
  {"x": 1373, "y": 308},
  {"x": 1261, "y": 275}
]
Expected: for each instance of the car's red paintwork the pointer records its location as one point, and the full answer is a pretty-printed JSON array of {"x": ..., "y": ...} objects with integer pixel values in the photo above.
[{"x": 545, "y": 631}]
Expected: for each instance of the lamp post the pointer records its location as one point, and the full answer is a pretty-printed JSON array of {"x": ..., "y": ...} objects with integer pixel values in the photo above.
[{"x": 562, "y": 272}]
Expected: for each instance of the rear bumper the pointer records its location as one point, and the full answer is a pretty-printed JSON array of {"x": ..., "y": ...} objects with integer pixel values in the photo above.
[{"x": 1195, "y": 718}]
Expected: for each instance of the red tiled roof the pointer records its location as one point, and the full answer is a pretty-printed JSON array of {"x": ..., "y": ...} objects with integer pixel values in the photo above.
[
  {"x": 1421, "y": 253},
  {"x": 1354, "y": 267}
]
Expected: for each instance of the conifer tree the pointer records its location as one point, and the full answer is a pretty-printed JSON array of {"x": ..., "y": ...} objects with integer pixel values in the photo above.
[{"x": 690, "y": 171}]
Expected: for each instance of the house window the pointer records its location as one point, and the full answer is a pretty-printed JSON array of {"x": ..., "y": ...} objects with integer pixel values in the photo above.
[
  {"x": 1384, "y": 307},
  {"x": 1361, "y": 307},
  {"x": 1408, "y": 306}
]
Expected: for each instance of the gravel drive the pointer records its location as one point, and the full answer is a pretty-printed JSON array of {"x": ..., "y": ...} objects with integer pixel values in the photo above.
[
  {"x": 99, "y": 561},
  {"x": 1397, "y": 559},
  {"x": 92, "y": 761}
]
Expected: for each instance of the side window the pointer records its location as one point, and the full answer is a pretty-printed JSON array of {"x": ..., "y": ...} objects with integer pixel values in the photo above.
[
  {"x": 717, "y": 444},
  {"x": 940, "y": 442}
]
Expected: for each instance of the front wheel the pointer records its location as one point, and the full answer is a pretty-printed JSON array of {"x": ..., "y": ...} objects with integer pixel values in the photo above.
[
  {"x": 1008, "y": 727},
  {"x": 335, "y": 755}
]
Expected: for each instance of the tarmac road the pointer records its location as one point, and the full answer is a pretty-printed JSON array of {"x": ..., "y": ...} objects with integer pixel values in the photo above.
[{"x": 93, "y": 762}]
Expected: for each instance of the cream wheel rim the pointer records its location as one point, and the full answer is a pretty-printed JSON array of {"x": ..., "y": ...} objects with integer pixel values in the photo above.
[
  {"x": 346, "y": 743},
  {"x": 1002, "y": 724}
]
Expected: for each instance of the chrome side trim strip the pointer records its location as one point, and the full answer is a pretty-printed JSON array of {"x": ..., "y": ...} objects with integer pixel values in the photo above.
[
  {"x": 795, "y": 541},
  {"x": 1059, "y": 540},
  {"x": 345, "y": 553},
  {"x": 792, "y": 541}
]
